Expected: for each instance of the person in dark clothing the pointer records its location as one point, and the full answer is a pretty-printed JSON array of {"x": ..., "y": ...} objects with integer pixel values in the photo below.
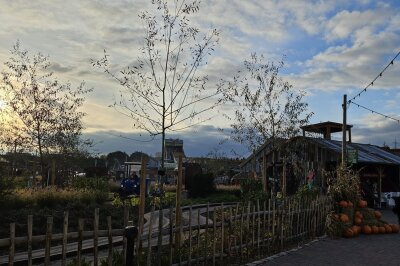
[
  {"x": 396, "y": 208},
  {"x": 368, "y": 193}
]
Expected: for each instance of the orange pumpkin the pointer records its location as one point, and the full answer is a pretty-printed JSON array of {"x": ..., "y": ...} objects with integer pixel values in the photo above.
[
  {"x": 358, "y": 214},
  {"x": 366, "y": 229},
  {"x": 388, "y": 229},
  {"x": 343, "y": 204},
  {"x": 357, "y": 221},
  {"x": 348, "y": 233},
  {"x": 356, "y": 229},
  {"x": 395, "y": 228},
  {"x": 375, "y": 229},
  {"x": 382, "y": 230},
  {"x": 349, "y": 204},
  {"x": 377, "y": 214},
  {"x": 344, "y": 218},
  {"x": 362, "y": 203}
]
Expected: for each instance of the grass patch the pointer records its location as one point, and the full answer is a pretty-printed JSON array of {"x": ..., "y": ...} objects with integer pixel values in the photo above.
[{"x": 215, "y": 197}]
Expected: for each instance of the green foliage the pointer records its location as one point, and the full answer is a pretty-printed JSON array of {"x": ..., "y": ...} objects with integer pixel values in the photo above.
[
  {"x": 168, "y": 200},
  {"x": 216, "y": 197},
  {"x": 6, "y": 186},
  {"x": 252, "y": 190},
  {"x": 99, "y": 183},
  {"x": 306, "y": 191},
  {"x": 52, "y": 197},
  {"x": 333, "y": 227},
  {"x": 200, "y": 185},
  {"x": 117, "y": 259},
  {"x": 344, "y": 184},
  {"x": 83, "y": 262}
]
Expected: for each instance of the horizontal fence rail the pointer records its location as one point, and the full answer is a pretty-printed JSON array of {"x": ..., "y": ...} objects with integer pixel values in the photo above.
[{"x": 217, "y": 234}]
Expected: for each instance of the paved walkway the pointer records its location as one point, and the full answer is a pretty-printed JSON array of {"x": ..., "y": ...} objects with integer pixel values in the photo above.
[{"x": 359, "y": 251}]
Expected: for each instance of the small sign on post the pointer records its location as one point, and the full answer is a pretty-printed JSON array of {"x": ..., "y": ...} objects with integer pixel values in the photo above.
[{"x": 352, "y": 155}]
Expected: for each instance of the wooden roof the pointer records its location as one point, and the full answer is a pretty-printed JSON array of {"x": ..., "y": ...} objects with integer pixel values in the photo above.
[{"x": 322, "y": 127}]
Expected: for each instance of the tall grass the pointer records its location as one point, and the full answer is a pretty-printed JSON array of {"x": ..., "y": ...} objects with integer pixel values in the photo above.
[{"x": 51, "y": 197}]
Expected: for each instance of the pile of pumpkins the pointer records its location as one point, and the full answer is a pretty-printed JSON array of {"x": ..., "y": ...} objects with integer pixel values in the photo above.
[{"x": 355, "y": 218}]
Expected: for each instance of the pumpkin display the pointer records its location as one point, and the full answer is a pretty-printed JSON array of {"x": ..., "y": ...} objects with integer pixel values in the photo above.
[
  {"x": 366, "y": 229},
  {"x": 344, "y": 218},
  {"x": 354, "y": 217},
  {"x": 395, "y": 228},
  {"x": 377, "y": 214},
  {"x": 362, "y": 203}
]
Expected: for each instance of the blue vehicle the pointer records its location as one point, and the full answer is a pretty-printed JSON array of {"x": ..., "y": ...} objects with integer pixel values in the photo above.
[{"x": 130, "y": 183}]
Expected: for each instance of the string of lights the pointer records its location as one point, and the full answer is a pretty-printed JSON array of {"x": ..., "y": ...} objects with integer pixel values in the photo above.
[
  {"x": 375, "y": 112},
  {"x": 138, "y": 140},
  {"x": 372, "y": 82}
]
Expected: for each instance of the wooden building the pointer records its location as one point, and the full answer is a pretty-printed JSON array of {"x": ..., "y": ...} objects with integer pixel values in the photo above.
[{"x": 316, "y": 155}]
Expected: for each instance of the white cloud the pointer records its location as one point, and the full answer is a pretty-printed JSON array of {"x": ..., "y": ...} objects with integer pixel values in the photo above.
[{"x": 345, "y": 23}]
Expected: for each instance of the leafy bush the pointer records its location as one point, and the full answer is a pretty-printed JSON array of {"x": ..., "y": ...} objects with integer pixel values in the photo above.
[
  {"x": 200, "y": 185},
  {"x": 117, "y": 259},
  {"x": 252, "y": 190},
  {"x": 83, "y": 262},
  {"x": 99, "y": 183},
  {"x": 6, "y": 186},
  {"x": 307, "y": 192}
]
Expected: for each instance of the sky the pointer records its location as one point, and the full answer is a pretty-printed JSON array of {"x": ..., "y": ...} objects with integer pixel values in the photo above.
[{"x": 330, "y": 48}]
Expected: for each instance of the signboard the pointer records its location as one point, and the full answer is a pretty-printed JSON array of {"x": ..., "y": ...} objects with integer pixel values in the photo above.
[{"x": 352, "y": 155}]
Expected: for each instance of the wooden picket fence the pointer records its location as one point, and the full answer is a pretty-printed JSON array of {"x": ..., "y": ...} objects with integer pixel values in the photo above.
[{"x": 212, "y": 234}]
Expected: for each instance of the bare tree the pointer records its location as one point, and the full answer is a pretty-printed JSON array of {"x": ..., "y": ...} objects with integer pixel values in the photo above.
[
  {"x": 267, "y": 108},
  {"x": 46, "y": 111},
  {"x": 165, "y": 90}
]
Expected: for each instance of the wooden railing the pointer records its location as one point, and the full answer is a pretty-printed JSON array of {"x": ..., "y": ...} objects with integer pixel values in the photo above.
[{"x": 209, "y": 235}]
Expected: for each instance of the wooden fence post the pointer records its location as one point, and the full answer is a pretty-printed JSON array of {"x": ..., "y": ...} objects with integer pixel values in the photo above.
[
  {"x": 48, "y": 240},
  {"x": 190, "y": 236},
  {"x": 149, "y": 237},
  {"x": 30, "y": 229},
  {"x": 110, "y": 241},
  {"x": 142, "y": 202},
  {"x": 178, "y": 210},
  {"x": 222, "y": 233},
  {"x": 206, "y": 233},
  {"x": 96, "y": 237},
  {"x": 171, "y": 236},
  {"x": 126, "y": 219},
  {"x": 198, "y": 237},
  {"x": 214, "y": 240},
  {"x": 80, "y": 240},
  {"x": 12, "y": 245},
  {"x": 65, "y": 239}
]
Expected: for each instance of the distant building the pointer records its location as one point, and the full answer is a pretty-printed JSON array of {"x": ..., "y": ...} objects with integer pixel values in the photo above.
[{"x": 173, "y": 148}]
